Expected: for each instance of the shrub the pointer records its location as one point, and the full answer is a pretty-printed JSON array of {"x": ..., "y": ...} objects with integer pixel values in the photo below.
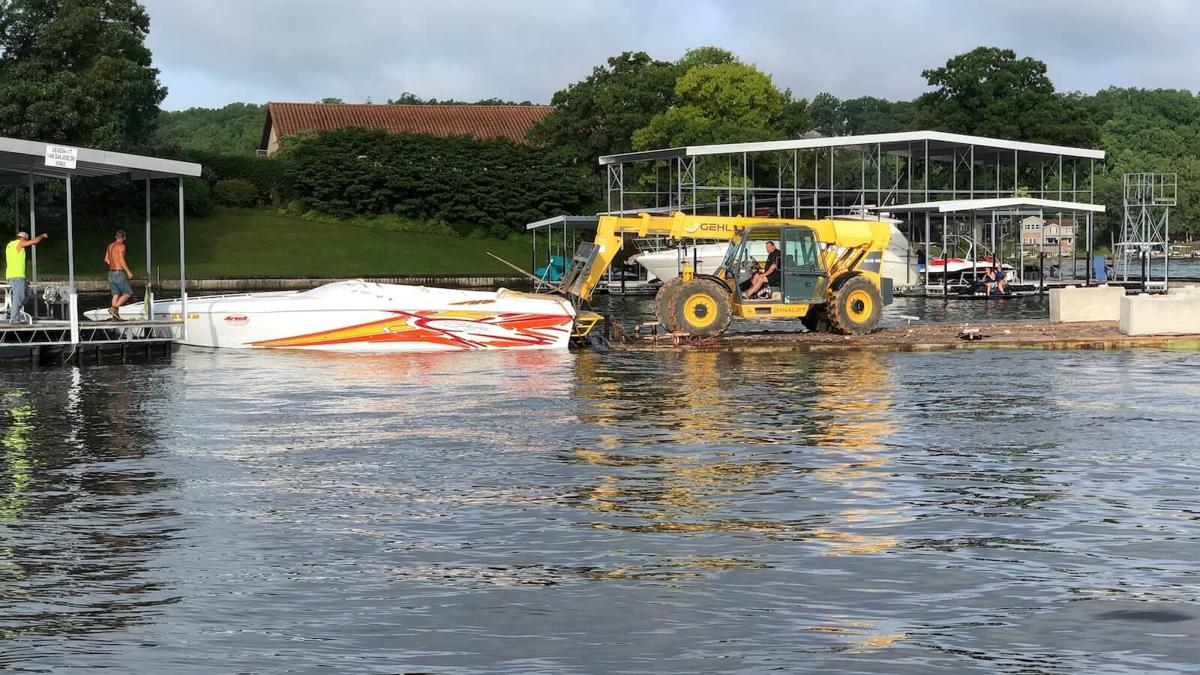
[
  {"x": 494, "y": 184},
  {"x": 235, "y": 192}
]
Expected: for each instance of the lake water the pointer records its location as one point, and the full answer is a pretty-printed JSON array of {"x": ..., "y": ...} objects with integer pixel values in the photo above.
[{"x": 990, "y": 511}]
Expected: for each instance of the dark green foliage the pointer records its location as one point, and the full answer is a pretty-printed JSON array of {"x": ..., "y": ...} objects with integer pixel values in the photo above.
[
  {"x": 235, "y": 192},
  {"x": 857, "y": 116},
  {"x": 599, "y": 115},
  {"x": 409, "y": 98},
  {"x": 269, "y": 176},
  {"x": 233, "y": 130},
  {"x": 990, "y": 92},
  {"x": 77, "y": 72},
  {"x": 1149, "y": 130},
  {"x": 494, "y": 184}
]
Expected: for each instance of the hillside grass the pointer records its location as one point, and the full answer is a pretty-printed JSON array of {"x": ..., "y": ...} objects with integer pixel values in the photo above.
[{"x": 259, "y": 243}]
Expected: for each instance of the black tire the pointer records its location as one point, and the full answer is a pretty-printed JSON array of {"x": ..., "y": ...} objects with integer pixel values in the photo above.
[
  {"x": 702, "y": 308},
  {"x": 856, "y": 307},
  {"x": 662, "y": 303},
  {"x": 817, "y": 319}
]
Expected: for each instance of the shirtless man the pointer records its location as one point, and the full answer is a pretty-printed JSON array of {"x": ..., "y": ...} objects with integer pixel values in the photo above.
[{"x": 118, "y": 275}]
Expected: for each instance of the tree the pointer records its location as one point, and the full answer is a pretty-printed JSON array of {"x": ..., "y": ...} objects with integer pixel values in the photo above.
[
  {"x": 704, "y": 56},
  {"x": 233, "y": 130},
  {"x": 990, "y": 92},
  {"x": 725, "y": 103},
  {"x": 825, "y": 114},
  {"x": 856, "y": 116},
  {"x": 77, "y": 72},
  {"x": 598, "y": 115},
  {"x": 409, "y": 98}
]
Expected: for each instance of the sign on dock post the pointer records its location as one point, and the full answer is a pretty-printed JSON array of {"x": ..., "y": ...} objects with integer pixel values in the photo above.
[{"x": 61, "y": 156}]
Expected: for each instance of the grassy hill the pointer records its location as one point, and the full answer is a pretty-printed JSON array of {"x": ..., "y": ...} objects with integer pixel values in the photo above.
[{"x": 249, "y": 243}]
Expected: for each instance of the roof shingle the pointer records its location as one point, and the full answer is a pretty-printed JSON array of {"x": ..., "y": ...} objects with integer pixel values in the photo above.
[{"x": 480, "y": 121}]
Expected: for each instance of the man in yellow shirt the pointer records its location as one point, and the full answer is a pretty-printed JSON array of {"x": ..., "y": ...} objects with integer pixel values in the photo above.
[{"x": 14, "y": 271}]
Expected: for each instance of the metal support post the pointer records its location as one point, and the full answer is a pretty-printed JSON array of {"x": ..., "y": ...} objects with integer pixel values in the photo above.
[
  {"x": 33, "y": 228},
  {"x": 183, "y": 313}
]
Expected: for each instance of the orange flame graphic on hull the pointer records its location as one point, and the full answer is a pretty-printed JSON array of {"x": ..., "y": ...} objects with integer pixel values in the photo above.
[{"x": 461, "y": 329}]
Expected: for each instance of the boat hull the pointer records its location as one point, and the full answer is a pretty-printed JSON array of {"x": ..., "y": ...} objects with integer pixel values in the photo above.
[{"x": 365, "y": 317}]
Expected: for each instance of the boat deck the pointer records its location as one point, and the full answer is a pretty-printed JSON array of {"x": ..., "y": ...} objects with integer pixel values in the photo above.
[{"x": 1015, "y": 335}]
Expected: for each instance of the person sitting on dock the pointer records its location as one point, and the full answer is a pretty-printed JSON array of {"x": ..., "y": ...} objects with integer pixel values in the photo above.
[
  {"x": 118, "y": 275},
  {"x": 996, "y": 279},
  {"x": 14, "y": 272},
  {"x": 769, "y": 276}
]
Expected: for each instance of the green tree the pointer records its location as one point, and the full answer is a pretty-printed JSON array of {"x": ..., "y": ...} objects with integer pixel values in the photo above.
[
  {"x": 725, "y": 103},
  {"x": 409, "y": 98},
  {"x": 990, "y": 92},
  {"x": 232, "y": 130},
  {"x": 825, "y": 114},
  {"x": 704, "y": 56},
  {"x": 598, "y": 115},
  {"x": 1154, "y": 130},
  {"x": 863, "y": 115},
  {"x": 77, "y": 72}
]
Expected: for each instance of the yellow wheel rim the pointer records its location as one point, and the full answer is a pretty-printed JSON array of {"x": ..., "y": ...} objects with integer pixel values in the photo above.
[
  {"x": 700, "y": 310},
  {"x": 859, "y": 306}
]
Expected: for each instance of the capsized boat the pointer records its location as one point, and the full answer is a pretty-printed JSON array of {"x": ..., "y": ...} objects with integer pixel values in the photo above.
[{"x": 369, "y": 317}]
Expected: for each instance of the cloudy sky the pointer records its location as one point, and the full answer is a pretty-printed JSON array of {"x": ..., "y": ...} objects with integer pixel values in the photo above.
[{"x": 212, "y": 52}]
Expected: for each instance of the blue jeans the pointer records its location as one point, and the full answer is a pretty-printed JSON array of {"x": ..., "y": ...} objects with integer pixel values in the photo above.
[{"x": 18, "y": 296}]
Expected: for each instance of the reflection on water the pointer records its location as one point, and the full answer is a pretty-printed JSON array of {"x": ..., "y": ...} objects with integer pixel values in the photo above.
[
  {"x": 80, "y": 518},
  {"x": 637, "y": 512}
]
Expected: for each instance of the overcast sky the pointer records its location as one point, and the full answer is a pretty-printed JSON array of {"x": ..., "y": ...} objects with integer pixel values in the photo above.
[{"x": 213, "y": 52}]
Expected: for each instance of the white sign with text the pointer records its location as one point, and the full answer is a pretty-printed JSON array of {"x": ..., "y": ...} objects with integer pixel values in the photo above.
[{"x": 61, "y": 156}]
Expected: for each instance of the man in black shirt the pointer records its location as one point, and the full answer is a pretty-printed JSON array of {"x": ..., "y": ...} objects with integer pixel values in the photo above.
[{"x": 770, "y": 275}]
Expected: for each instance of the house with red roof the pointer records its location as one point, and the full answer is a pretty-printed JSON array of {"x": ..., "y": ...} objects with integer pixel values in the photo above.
[{"x": 478, "y": 121}]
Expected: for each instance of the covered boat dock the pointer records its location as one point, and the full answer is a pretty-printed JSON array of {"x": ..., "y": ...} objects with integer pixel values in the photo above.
[
  {"x": 53, "y": 325},
  {"x": 945, "y": 187}
]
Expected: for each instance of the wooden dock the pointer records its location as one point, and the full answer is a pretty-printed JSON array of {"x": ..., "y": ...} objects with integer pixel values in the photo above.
[{"x": 999, "y": 335}]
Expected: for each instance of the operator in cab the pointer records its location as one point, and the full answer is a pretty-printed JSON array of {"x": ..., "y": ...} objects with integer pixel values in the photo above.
[{"x": 768, "y": 276}]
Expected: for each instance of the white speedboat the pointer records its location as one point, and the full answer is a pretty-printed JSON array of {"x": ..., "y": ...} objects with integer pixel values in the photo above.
[
  {"x": 665, "y": 264},
  {"x": 369, "y": 317}
]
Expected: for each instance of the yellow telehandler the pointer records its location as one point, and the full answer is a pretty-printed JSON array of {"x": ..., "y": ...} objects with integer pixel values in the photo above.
[{"x": 828, "y": 277}]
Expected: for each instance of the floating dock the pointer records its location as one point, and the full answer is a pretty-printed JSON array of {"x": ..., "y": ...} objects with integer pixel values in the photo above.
[
  {"x": 998, "y": 335},
  {"x": 88, "y": 341}
]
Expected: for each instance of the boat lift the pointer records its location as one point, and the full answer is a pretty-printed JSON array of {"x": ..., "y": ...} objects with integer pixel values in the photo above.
[
  {"x": 26, "y": 164},
  {"x": 983, "y": 225}
]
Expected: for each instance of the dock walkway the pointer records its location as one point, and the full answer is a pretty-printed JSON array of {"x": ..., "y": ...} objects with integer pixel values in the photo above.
[{"x": 52, "y": 339}]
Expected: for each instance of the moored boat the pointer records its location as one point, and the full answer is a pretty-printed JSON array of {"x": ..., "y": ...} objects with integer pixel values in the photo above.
[{"x": 368, "y": 317}]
